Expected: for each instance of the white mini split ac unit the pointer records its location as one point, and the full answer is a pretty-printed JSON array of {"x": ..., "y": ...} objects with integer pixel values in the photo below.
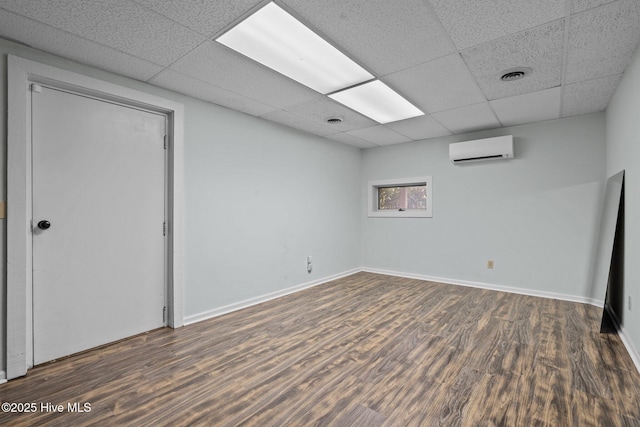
[{"x": 500, "y": 147}]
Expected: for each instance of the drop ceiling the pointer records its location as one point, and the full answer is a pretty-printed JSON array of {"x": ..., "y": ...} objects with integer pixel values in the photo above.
[{"x": 445, "y": 56}]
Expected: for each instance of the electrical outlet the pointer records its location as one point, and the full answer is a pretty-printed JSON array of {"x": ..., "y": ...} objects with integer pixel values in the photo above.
[
  {"x": 309, "y": 264},
  {"x": 490, "y": 264}
]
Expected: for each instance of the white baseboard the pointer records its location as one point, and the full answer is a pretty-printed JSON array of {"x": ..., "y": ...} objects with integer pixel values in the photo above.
[
  {"x": 489, "y": 286},
  {"x": 188, "y": 320},
  {"x": 3, "y": 377},
  {"x": 624, "y": 337}
]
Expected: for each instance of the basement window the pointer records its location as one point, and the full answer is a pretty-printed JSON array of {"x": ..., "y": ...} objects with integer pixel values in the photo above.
[{"x": 400, "y": 198}]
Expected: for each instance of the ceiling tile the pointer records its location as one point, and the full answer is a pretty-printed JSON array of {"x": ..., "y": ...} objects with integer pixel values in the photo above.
[
  {"x": 322, "y": 108},
  {"x": 351, "y": 140},
  {"x": 539, "y": 49},
  {"x": 181, "y": 83},
  {"x": 438, "y": 85},
  {"x": 291, "y": 120},
  {"x": 468, "y": 119},
  {"x": 589, "y": 96},
  {"x": 602, "y": 40},
  {"x": 423, "y": 127},
  {"x": 383, "y": 36},
  {"x": 122, "y": 25},
  {"x": 582, "y": 5},
  {"x": 206, "y": 17},
  {"x": 379, "y": 135},
  {"x": 527, "y": 108},
  {"x": 220, "y": 66},
  {"x": 44, "y": 37},
  {"x": 472, "y": 22}
]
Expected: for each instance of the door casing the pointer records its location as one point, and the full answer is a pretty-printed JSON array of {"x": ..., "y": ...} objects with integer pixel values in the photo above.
[{"x": 21, "y": 74}]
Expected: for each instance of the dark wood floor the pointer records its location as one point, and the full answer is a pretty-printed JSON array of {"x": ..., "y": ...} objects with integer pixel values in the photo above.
[{"x": 367, "y": 350}]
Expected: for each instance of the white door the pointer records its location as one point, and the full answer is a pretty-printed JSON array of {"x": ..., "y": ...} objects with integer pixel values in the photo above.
[{"x": 99, "y": 183}]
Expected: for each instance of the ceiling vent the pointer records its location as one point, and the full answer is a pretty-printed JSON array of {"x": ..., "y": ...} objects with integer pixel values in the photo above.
[
  {"x": 515, "y": 74},
  {"x": 500, "y": 147}
]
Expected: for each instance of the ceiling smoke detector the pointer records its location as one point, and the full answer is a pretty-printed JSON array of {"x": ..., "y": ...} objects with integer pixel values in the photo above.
[
  {"x": 334, "y": 120},
  {"x": 515, "y": 74}
]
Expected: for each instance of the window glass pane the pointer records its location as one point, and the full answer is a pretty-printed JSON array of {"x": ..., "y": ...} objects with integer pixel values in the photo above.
[
  {"x": 389, "y": 198},
  {"x": 417, "y": 197},
  {"x": 396, "y": 198}
]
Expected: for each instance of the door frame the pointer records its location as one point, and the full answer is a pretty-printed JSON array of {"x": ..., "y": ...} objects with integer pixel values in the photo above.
[{"x": 21, "y": 74}]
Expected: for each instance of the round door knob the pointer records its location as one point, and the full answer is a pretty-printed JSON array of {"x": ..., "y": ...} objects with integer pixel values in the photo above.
[{"x": 44, "y": 224}]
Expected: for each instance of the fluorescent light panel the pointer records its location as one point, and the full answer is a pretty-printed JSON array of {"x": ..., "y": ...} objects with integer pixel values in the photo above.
[
  {"x": 378, "y": 102},
  {"x": 276, "y": 39}
]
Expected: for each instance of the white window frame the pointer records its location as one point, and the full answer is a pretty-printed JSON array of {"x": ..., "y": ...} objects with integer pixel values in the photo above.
[{"x": 372, "y": 198}]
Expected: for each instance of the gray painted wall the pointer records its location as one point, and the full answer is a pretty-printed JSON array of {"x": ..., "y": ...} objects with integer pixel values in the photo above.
[
  {"x": 535, "y": 216},
  {"x": 623, "y": 152},
  {"x": 260, "y": 197}
]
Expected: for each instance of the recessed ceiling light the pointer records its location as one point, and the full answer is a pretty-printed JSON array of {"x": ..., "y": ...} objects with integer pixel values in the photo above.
[
  {"x": 274, "y": 38},
  {"x": 377, "y": 101},
  {"x": 334, "y": 120},
  {"x": 515, "y": 74}
]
